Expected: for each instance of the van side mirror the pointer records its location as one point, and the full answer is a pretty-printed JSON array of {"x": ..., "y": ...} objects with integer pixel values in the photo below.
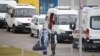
[
  {"x": 36, "y": 23},
  {"x": 72, "y": 26}
]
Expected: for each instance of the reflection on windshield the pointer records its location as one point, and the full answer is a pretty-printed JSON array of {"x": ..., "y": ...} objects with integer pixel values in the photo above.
[
  {"x": 41, "y": 21},
  {"x": 3, "y": 7},
  {"x": 24, "y": 12},
  {"x": 95, "y": 21},
  {"x": 65, "y": 19}
]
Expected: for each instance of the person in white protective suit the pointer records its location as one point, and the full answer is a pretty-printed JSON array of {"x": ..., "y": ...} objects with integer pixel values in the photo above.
[{"x": 44, "y": 39}]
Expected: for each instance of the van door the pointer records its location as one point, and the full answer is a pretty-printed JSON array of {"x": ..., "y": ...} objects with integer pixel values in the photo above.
[
  {"x": 35, "y": 25},
  {"x": 94, "y": 30},
  {"x": 32, "y": 24}
]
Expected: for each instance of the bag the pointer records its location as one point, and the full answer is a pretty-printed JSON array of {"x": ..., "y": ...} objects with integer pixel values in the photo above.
[{"x": 37, "y": 47}]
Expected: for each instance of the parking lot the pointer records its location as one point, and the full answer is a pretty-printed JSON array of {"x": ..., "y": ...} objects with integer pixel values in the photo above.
[
  {"x": 65, "y": 19},
  {"x": 23, "y": 40}
]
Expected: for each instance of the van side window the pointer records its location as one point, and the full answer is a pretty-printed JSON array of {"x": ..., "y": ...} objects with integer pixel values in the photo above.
[
  {"x": 32, "y": 20},
  {"x": 12, "y": 13},
  {"x": 9, "y": 10},
  {"x": 94, "y": 22},
  {"x": 55, "y": 18},
  {"x": 36, "y": 20}
]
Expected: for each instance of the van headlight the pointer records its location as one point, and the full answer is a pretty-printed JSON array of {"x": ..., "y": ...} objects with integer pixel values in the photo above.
[
  {"x": 58, "y": 32},
  {"x": 19, "y": 23},
  {"x": 62, "y": 31}
]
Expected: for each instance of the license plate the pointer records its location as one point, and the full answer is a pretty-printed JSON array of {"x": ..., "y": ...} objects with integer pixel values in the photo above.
[
  {"x": 70, "y": 35},
  {"x": 27, "y": 26},
  {"x": 96, "y": 41}
]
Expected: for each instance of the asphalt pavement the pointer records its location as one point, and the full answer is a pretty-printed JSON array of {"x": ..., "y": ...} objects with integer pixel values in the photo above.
[{"x": 23, "y": 40}]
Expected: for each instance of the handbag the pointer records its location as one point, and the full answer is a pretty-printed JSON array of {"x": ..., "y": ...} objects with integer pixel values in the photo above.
[{"x": 37, "y": 47}]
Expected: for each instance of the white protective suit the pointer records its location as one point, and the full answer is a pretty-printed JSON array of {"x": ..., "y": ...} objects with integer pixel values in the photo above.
[{"x": 46, "y": 38}]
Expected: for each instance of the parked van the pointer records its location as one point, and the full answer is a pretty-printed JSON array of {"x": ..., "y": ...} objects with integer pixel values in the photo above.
[
  {"x": 90, "y": 28},
  {"x": 3, "y": 10},
  {"x": 59, "y": 19},
  {"x": 19, "y": 17},
  {"x": 36, "y": 24}
]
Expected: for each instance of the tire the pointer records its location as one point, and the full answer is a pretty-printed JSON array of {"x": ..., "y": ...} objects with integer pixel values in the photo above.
[
  {"x": 8, "y": 28},
  {"x": 75, "y": 45},
  {"x": 84, "y": 47},
  {"x": 37, "y": 33},
  {"x": 31, "y": 34},
  {"x": 14, "y": 29},
  {"x": 1, "y": 26},
  {"x": 59, "y": 41}
]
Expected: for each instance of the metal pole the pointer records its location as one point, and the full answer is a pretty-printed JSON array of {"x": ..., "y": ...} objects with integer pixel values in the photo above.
[
  {"x": 80, "y": 27},
  {"x": 85, "y": 3},
  {"x": 22, "y": 51},
  {"x": 71, "y": 49},
  {"x": 72, "y": 3}
]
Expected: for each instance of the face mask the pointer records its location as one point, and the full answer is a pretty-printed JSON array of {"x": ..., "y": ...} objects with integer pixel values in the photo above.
[{"x": 44, "y": 27}]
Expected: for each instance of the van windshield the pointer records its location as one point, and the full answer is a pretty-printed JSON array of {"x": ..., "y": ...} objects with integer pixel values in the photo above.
[
  {"x": 24, "y": 12},
  {"x": 3, "y": 8},
  {"x": 41, "y": 21},
  {"x": 65, "y": 19},
  {"x": 95, "y": 22}
]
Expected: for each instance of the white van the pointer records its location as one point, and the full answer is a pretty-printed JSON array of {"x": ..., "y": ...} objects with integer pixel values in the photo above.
[
  {"x": 62, "y": 16},
  {"x": 90, "y": 28},
  {"x": 36, "y": 24},
  {"x": 19, "y": 17},
  {"x": 3, "y": 10}
]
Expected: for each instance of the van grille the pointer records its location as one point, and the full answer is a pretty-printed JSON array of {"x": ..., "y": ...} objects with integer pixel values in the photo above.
[
  {"x": 68, "y": 32},
  {"x": 26, "y": 24}
]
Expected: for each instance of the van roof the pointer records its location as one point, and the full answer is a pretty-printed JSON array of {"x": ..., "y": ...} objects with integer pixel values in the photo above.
[
  {"x": 67, "y": 12},
  {"x": 86, "y": 9},
  {"x": 24, "y": 6},
  {"x": 92, "y": 11},
  {"x": 11, "y": 2},
  {"x": 40, "y": 16},
  {"x": 56, "y": 11},
  {"x": 63, "y": 7}
]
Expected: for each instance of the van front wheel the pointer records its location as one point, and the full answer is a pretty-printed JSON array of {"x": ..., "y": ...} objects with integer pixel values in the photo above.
[
  {"x": 75, "y": 45},
  {"x": 14, "y": 29},
  {"x": 31, "y": 34},
  {"x": 8, "y": 28},
  {"x": 38, "y": 33}
]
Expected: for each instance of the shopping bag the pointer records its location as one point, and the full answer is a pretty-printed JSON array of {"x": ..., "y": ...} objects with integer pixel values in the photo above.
[{"x": 37, "y": 47}]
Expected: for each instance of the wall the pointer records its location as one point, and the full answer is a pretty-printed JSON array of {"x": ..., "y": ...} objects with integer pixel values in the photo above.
[
  {"x": 32, "y": 2},
  {"x": 46, "y": 4}
]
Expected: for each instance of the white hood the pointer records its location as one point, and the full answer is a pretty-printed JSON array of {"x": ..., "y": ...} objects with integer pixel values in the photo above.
[
  {"x": 23, "y": 20},
  {"x": 2, "y": 15},
  {"x": 62, "y": 27}
]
